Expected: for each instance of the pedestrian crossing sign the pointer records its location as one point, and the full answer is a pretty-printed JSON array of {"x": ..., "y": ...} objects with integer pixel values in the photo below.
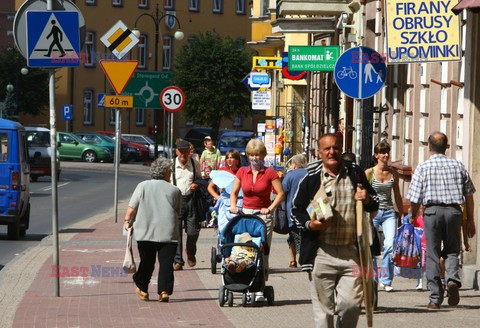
[{"x": 53, "y": 39}]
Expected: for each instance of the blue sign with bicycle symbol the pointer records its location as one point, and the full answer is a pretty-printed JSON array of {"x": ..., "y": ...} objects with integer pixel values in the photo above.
[{"x": 360, "y": 72}]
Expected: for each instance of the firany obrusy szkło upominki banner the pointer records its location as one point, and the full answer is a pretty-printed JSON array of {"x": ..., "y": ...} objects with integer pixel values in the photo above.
[{"x": 422, "y": 31}]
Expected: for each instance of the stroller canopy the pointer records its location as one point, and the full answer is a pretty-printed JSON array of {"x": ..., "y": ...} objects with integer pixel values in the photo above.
[{"x": 246, "y": 223}]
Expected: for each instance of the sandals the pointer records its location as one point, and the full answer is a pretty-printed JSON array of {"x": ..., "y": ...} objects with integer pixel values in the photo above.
[
  {"x": 164, "y": 297},
  {"x": 141, "y": 295},
  {"x": 293, "y": 264}
]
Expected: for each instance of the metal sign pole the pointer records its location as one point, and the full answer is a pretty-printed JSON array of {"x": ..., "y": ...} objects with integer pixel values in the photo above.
[
  {"x": 53, "y": 145},
  {"x": 118, "y": 124},
  {"x": 359, "y": 110}
]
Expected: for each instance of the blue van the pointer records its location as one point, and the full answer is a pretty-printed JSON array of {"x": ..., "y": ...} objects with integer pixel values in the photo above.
[{"x": 14, "y": 179}]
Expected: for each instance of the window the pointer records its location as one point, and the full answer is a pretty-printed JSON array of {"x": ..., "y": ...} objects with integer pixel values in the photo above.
[
  {"x": 140, "y": 116},
  {"x": 91, "y": 2},
  {"x": 217, "y": 6},
  {"x": 169, "y": 4},
  {"x": 167, "y": 53},
  {"x": 193, "y": 5},
  {"x": 264, "y": 9},
  {"x": 112, "y": 116},
  {"x": 117, "y": 3},
  {"x": 88, "y": 107},
  {"x": 89, "y": 60},
  {"x": 240, "y": 7},
  {"x": 143, "y": 4},
  {"x": 65, "y": 138},
  {"x": 142, "y": 52},
  {"x": 4, "y": 147}
]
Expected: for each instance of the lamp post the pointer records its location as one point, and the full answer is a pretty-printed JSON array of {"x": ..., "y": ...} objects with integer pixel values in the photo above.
[
  {"x": 11, "y": 98},
  {"x": 157, "y": 18}
]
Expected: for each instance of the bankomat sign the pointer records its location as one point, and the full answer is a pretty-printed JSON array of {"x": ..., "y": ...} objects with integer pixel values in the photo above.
[{"x": 422, "y": 31}]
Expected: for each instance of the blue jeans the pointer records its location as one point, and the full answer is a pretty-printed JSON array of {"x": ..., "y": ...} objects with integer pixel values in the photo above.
[{"x": 388, "y": 220}]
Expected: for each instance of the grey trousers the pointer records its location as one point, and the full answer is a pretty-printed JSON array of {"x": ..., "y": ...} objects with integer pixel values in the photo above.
[
  {"x": 442, "y": 223},
  {"x": 334, "y": 288}
]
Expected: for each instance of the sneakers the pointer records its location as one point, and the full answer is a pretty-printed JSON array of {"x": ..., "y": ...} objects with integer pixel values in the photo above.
[
  {"x": 259, "y": 297},
  {"x": 387, "y": 288},
  {"x": 419, "y": 285},
  {"x": 453, "y": 295},
  {"x": 177, "y": 267}
]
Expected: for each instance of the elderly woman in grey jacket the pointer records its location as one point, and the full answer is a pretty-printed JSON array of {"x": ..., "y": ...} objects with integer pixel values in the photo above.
[{"x": 154, "y": 211}]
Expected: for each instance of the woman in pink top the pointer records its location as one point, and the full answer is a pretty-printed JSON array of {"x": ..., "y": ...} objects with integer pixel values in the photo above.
[{"x": 256, "y": 182}]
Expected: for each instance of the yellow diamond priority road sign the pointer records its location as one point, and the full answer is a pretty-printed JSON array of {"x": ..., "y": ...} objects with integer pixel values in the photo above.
[{"x": 119, "y": 39}]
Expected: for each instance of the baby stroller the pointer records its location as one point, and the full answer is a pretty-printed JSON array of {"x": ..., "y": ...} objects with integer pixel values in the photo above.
[{"x": 252, "y": 278}]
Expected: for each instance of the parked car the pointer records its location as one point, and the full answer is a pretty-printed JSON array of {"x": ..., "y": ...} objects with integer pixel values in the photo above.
[
  {"x": 197, "y": 135},
  {"x": 147, "y": 141},
  {"x": 40, "y": 153},
  {"x": 142, "y": 149},
  {"x": 72, "y": 147},
  {"x": 127, "y": 152},
  {"x": 14, "y": 179},
  {"x": 237, "y": 140}
]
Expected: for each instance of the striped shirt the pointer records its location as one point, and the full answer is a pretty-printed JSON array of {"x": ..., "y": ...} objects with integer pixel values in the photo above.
[
  {"x": 440, "y": 180},
  {"x": 341, "y": 196},
  {"x": 384, "y": 193}
]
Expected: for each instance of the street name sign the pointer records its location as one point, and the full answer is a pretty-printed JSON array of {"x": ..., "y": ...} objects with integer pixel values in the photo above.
[
  {"x": 119, "y": 39},
  {"x": 360, "y": 72},
  {"x": 422, "y": 31},
  {"x": 119, "y": 101},
  {"x": 145, "y": 87},
  {"x": 313, "y": 58},
  {"x": 119, "y": 72},
  {"x": 53, "y": 39},
  {"x": 172, "y": 99}
]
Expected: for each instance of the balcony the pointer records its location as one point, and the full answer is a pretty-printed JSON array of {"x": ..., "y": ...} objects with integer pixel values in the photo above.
[{"x": 316, "y": 7}]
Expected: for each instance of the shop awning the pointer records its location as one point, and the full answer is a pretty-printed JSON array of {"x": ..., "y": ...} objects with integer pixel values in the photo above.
[{"x": 473, "y": 5}]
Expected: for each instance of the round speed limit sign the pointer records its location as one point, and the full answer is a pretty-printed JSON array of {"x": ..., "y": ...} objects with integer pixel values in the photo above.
[{"x": 172, "y": 99}]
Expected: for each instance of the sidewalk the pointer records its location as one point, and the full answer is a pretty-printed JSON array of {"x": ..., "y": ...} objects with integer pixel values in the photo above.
[{"x": 105, "y": 299}]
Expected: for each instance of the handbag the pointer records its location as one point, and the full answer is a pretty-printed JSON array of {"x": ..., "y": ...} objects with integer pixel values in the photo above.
[
  {"x": 281, "y": 222},
  {"x": 128, "y": 262}
]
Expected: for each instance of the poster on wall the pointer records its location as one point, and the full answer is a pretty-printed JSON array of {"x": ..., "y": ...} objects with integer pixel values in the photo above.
[{"x": 261, "y": 100}]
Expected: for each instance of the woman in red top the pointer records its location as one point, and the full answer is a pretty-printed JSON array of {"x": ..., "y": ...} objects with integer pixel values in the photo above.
[
  {"x": 256, "y": 182},
  {"x": 232, "y": 164}
]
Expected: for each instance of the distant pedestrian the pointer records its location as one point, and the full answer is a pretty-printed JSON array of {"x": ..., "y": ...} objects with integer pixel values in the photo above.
[
  {"x": 442, "y": 184},
  {"x": 385, "y": 182},
  {"x": 290, "y": 185},
  {"x": 154, "y": 211},
  {"x": 329, "y": 241},
  {"x": 210, "y": 156},
  {"x": 186, "y": 171}
]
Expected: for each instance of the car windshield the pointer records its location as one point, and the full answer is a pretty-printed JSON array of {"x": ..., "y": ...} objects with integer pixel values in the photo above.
[
  {"x": 237, "y": 142},
  {"x": 38, "y": 138}
]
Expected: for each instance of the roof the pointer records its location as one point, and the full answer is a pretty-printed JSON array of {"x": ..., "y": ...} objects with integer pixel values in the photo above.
[
  {"x": 472, "y": 5},
  {"x": 7, "y": 124},
  {"x": 36, "y": 128}
]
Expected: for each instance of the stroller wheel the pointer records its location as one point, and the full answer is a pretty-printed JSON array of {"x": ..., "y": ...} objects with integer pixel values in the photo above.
[
  {"x": 244, "y": 299},
  {"x": 270, "y": 295},
  {"x": 221, "y": 296},
  {"x": 213, "y": 260},
  {"x": 230, "y": 299}
]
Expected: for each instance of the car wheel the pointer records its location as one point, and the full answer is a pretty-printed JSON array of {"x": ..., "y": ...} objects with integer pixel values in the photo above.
[
  {"x": 13, "y": 231},
  {"x": 89, "y": 156}
]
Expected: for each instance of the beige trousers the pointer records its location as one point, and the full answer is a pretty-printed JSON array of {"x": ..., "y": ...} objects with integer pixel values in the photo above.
[{"x": 333, "y": 287}]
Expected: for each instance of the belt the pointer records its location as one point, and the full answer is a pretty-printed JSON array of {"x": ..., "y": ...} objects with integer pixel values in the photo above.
[{"x": 442, "y": 205}]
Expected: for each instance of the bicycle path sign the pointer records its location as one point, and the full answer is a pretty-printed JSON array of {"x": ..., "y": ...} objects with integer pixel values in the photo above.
[{"x": 360, "y": 72}]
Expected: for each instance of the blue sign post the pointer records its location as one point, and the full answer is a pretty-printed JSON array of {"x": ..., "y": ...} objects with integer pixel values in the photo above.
[
  {"x": 53, "y": 39},
  {"x": 67, "y": 111},
  {"x": 360, "y": 72}
]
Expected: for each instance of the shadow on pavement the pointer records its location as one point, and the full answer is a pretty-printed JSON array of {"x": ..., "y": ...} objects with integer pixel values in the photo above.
[
  {"x": 419, "y": 309},
  {"x": 36, "y": 194},
  {"x": 76, "y": 230},
  {"x": 28, "y": 237}
]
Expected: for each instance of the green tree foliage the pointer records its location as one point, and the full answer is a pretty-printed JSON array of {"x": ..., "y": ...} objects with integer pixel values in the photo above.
[
  {"x": 30, "y": 92},
  {"x": 210, "y": 70}
]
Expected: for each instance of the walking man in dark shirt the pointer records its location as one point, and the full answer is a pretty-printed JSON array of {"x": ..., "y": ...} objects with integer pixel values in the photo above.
[{"x": 441, "y": 184}]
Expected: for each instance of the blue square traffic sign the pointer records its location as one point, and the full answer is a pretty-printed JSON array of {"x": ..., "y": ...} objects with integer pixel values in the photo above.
[
  {"x": 67, "y": 111},
  {"x": 53, "y": 39}
]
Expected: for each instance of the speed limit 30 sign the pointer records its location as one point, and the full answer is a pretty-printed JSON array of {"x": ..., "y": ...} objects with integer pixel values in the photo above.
[{"x": 172, "y": 99}]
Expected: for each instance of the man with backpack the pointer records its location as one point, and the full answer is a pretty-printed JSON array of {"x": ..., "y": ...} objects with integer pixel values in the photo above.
[
  {"x": 328, "y": 247},
  {"x": 186, "y": 171}
]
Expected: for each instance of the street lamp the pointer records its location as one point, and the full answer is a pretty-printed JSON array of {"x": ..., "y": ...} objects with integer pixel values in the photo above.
[
  {"x": 157, "y": 18},
  {"x": 11, "y": 98}
]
